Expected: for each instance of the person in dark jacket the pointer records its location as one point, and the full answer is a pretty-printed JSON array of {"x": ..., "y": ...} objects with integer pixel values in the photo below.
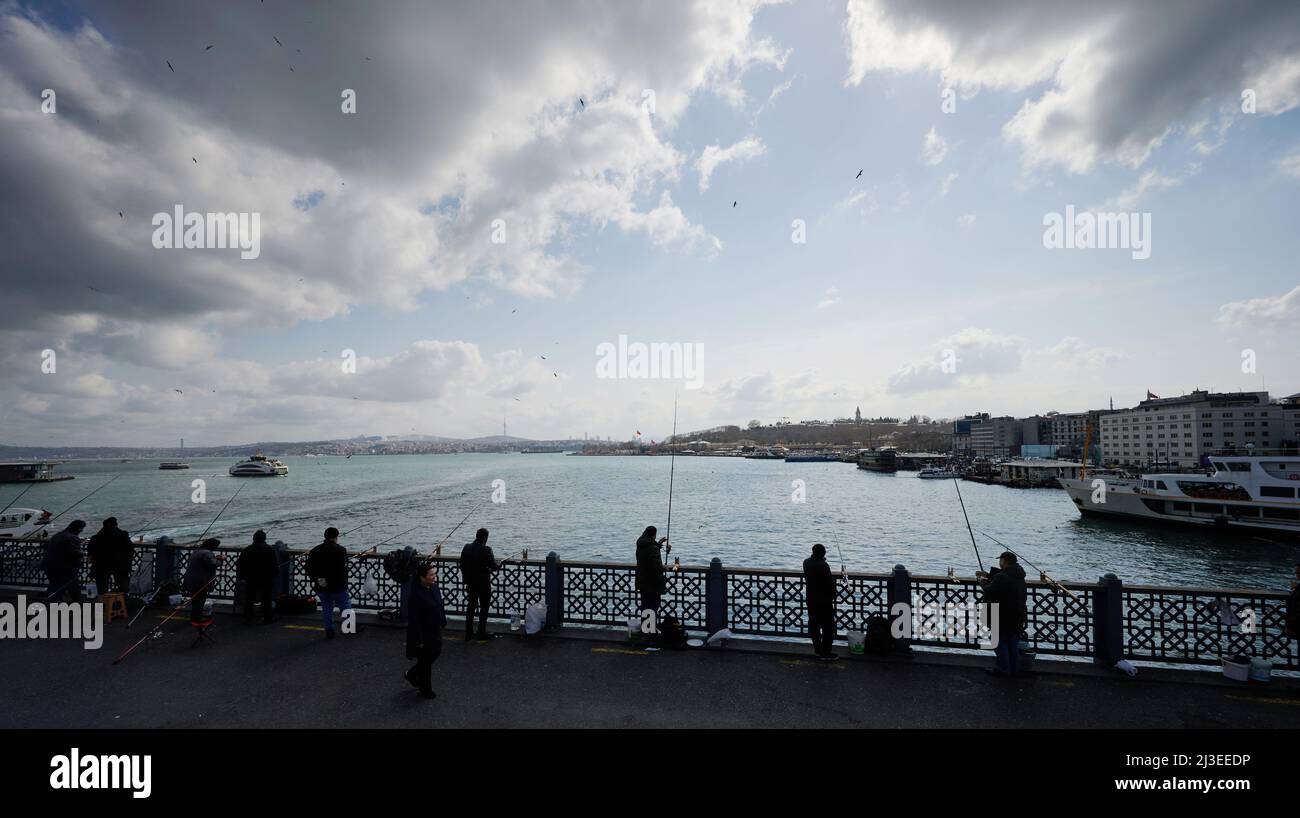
[
  {"x": 1293, "y": 607},
  {"x": 820, "y": 585},
  {"x": 425, "y": 620},
  {"x": 257, "y": 567},
  {"x": 327, "y": 566},
  {"x": 476, "y": 566},
  {"x": 61, "y": 560},
  {"x": 1006, "y": 589},
  {"x": 110, "y": 551},
  {"x": 200, "y": 574},
  {"x": 650, "y": 579}
]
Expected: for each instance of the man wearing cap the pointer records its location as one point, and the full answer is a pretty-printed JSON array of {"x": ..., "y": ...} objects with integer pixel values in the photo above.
[
  {"x": 200, "y": 573},
  {"x": 61, "y": 560},
  {"x": 327, "y": 566},
  {"x": 1005, "y": 588},
  {"x": 820, "y": 586},
  {"x": 257, "y": 567}
]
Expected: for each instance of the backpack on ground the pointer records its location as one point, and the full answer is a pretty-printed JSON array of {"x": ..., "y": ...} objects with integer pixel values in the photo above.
[
  {"x": 672, "y": 633},
  {"x": 879, "y": 641}
]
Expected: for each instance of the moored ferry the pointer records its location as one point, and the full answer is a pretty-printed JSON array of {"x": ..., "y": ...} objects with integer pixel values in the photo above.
[
  {"x": 24, "y": 523},
  {"x": 878, "y": 460},
  {"x": 1257, "y": 492},
  {"x": 259, "y": 465}
]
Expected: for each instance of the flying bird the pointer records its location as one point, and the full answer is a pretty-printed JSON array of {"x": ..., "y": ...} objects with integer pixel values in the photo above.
[
  {"x": 543, "y": 357},
  {"x": 581, "y": 102},
  {"x": 209, "y": 48},
  {"x": 177, "y": 391},
  {"x": 169, "y": 65},
  {"x": 859, "y": 176},
  {"x": 291, "y": 69},
  {"x": 556, "y": 374},
  {"x": 195, "y": 161},
  {"x": 733, "y": 204},
  {"x": 119, "y": 215},
  {"x": 95, "y": 289},
  {"x": 277, "y": 41}
]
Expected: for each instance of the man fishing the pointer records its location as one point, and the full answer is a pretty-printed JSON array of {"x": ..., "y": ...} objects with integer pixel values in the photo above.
[
  {"x": 1006, "y": 589},
  {"x": 476, "y": 566},
  {"x": 650, "y": 579},
  {"x": 327, "y": 566},
  {"x": 820, "y": 585},
  {"x": 200, "y": 573},
  {"x": 425, "y": 621},
  {"x": 111, "y": 551},
  {"x": 61, "y": 560},
  {"x": 257, "y": 567}
]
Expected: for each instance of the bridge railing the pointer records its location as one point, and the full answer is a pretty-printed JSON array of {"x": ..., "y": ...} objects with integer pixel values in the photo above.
[{"x": 1106, "y": 620}]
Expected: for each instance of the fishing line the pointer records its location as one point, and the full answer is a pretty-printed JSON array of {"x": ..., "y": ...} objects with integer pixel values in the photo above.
[
  {"x": 219, "y": 513},
  {"x": 978, "y": 560},
  {"x": 1041, "y": 572},
  {"x": 672, "y": 464},
  {"x": 16, "y": 499},
  {"x": 74, "y": 505}
]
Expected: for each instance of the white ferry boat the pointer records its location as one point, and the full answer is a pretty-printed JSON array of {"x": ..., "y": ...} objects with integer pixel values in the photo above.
[
  {"x": 24, "y": 523},
  {"x": 1256, "y": 492},
  {"x": 259, "y": 465},
  {"x": 933, "y": 473}
]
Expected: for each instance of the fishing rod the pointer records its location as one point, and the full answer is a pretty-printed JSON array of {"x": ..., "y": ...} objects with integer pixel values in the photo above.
[
  {"x": 219, "y": 513},
  {"x": 844, "y": 574},
  {"x": 74, "y": 505},
  {"x": 1041, "y": 573},
  {"x": 672, "y": 463},
  {"x": 979, "y": 560},
  {"x": 437, "y": 549},
  {"x": 16, "y": 499},
  {"x": 358, "y": 528},
  {"x": 158, "y": 628}
]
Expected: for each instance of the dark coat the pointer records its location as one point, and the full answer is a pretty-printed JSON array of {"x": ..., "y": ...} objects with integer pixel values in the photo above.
[
  {"x": 257, "y": 565},
  {"x": 110, "y": 549},
  {"x": 649, "y": 566},
  {"x": 1007, "y": 589},
  {"x": 477, "y": 563},
  {"x": 62, "y": 554},
  {"x": 820, "y": 583},
  {"x": 329, "y": 562},
  {"x": 425, "y": 618},
  {"x": 199, "y": 571}
]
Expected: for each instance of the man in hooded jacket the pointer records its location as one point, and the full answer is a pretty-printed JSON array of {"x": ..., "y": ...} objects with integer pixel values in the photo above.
[
  {"x": 110, "y": 551},
  {"x": 257, "y": 567},
  {"x": 1006, "y": 589},
  {"x": 61, "y": 560},
  {"x": 650, "y": 579}
]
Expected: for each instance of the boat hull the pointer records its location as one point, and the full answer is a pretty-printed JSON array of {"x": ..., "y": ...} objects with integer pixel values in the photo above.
[{"x": 1123, "y": 500}]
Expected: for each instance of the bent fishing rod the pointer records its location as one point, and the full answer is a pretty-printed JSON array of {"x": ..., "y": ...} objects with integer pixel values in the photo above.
[
  {"x": 437, "y": 549},
  {"x": 672, "y": 463},
  {"x": 16, "y": 499},
  {"x": 979, "y": 561},
  {"x": 1041, "y": 573},
  {"x": 219, "y": 513},
  {"x": 74, "y": 505}
]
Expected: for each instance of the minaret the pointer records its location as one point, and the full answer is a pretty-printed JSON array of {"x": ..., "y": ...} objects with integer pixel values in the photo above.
[{"x": 857, "y": 415}]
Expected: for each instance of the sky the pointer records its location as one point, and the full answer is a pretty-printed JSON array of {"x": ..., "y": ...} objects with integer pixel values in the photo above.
[{"x": 836, "y": 204}]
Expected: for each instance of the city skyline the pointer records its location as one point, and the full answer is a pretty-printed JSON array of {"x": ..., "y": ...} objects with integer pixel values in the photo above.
[{"x": 846, "y": 204}]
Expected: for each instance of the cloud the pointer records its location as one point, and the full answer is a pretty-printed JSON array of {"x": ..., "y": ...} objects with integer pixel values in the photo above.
[
  {"x": 1150, "y": 180},
  {"x": 1255, "y": 312},
  {"x": 960, "y": 359},
  {"x": 713, "y": 156},
  {"x": 946, "y": 185},
  {"x": 966, "y": 220},
  {"x": 829, "y": 298},
  {"x": 1290, "y": 164},
  {"x": 1073, "y": 353},
  {"x": 1108, "y": 81},
  {"x": 933, "y": 147}
]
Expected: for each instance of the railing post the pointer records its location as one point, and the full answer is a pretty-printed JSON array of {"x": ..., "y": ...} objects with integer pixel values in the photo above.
[
  {"x": 899, "y": 591},
  {"x": 405, "y": 589},
  {"x": 1108, "y": 621},
  {"x": 282, "y": 582},
  {"x": 554, "y": 592},
  {"x": 715, "y": 598}
]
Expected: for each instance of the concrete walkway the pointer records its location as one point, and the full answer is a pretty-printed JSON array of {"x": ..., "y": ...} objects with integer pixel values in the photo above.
[{"x": 288, "y": 675}]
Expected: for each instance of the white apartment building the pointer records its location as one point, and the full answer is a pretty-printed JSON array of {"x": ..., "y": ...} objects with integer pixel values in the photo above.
[{"x": 1177, "y": 431}]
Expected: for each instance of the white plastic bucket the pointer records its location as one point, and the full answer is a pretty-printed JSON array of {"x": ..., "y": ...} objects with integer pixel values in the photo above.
[
  {"x": 857, "y": 642},
  {"x": 1237, "y": 671}
]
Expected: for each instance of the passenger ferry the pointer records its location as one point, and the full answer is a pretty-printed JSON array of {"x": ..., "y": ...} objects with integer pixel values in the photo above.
[
  {"x": 259, "y": 465},
  {"x": 24, "y": 523},
  {"x": 1256, "y": 492},
  {"x": 935, "y": 473},
  {"x": 878, "y": 460}
]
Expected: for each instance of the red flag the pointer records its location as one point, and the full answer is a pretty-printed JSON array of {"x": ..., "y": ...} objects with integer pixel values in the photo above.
[{"x": 1152, "y": 396}]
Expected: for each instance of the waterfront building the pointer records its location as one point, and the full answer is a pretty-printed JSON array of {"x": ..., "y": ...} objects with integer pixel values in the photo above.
[
  {"x": 996, "y": 437},
  {"x": 1177, "y": 431}
]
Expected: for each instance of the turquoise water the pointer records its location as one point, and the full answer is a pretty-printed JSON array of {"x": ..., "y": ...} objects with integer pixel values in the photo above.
[{"x": 595, "y": 507}]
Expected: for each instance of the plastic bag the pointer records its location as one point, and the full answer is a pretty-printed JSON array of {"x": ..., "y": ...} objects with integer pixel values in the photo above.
[
  {"x": 370, "y": 585},
  {"x": 534, "y": 618}
]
